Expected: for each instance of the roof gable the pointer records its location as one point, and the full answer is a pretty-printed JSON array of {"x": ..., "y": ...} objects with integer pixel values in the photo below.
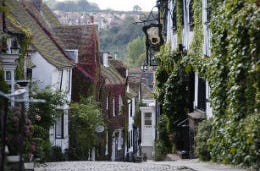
[
  {"x": 42, "y": 39},
  {"x": 111, "y": 76}
]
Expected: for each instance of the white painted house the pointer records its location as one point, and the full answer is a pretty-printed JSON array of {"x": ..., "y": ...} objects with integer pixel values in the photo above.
[
  {"x": 50, "y": 65},
  {"x": 47, "y": 74},
  {"x": 148, "y": 127},
  {"x": 201, "y": 87}
]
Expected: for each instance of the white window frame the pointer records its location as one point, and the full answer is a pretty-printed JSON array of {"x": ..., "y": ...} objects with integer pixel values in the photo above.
[{"x": 59, "y": 127}]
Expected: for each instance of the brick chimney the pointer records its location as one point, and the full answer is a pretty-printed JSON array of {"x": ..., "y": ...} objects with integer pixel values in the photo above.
[
  {"x": 37, "y": 4},
  {"x": 91, "y": 19},
  {"x": 105, "y": 60}
]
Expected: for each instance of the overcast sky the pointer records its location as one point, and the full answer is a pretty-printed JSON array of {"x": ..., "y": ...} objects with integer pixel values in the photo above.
[{"x": 124, "y": 5}]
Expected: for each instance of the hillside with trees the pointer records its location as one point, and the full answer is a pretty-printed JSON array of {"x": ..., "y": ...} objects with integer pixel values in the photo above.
[
  {"x": 121, "y": 36},
  {"x": 117, "y": 38},
  {"x": 72, "y": 6}
]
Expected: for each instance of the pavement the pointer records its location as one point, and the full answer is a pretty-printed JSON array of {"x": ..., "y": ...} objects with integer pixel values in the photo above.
[{"x": 178, "y": 165}]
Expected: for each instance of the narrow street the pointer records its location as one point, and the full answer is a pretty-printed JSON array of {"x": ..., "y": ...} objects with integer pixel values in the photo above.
[{"x": 180, "y": 165}]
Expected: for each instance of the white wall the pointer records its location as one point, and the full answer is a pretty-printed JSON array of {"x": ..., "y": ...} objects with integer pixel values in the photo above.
[
  {"x": 47, "y": 74},
  {"x": 148, "y": 132},
  {"x": 131, "y": 121}
]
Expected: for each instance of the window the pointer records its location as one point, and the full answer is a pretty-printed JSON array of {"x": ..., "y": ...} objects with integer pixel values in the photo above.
[
  {"x": 148, "y": 119},
  {"x": 59, "y": 127},
  {"x": 208, "y": 9},
  {"x": 191, "y": 15},
  {"x": 114, "y": 107},
  {"x": 107, "y": 103},
  {"x": 29, "y": 73},
  {"x": 120, "y": 105},
  {"x": 8, "y": 75},
  {"x": 201, "y": 94},
  {"x": 174, "y": 17},
  {"x": 130, "y": 110}
]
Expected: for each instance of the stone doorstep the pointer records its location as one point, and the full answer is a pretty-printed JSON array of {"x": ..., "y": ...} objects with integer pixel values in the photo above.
[{"x": 31, "y": 167}]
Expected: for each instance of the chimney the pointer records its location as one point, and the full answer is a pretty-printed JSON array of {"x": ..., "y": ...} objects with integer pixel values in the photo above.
[
  {"x": 91, "y": 19},
  {"x": 37, "y": 4},
  {"x": 105, "y": 60}
]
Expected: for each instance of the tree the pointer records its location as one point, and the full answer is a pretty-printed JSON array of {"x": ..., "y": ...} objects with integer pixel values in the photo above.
[
  {"x": 85, "y": 117},
  {"x": 137, "y": 8},
  {"x": 134, "y": 50}
]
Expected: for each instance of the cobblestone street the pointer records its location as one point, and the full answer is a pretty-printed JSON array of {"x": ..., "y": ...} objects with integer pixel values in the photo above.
[
  {"x": 183, "y": 165},
  {"x": 108, "y": 166}
]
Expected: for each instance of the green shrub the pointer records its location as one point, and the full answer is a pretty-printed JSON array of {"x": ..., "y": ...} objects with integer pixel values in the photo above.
[
  {"x": 203, "y": 133},
  {"x": 56, "y": 154},
  {"x": 160, "y": 151}
]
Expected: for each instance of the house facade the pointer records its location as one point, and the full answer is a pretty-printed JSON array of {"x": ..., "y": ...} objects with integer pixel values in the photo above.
[
  {"x": 181, "y": 38},
  {"x": 114, "y": 101},
  {"x": 50, "y": 66}
]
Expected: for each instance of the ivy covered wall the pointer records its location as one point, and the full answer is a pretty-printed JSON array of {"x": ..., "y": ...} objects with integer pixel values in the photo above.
[{"x": 233, "y": 72}]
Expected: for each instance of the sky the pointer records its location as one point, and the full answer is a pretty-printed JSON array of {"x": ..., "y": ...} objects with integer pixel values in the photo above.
[{"x": 124, "y": 5}]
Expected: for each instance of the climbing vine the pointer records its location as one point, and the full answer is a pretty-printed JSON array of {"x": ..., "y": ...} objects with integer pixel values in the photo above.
[
  {"x": 233, "y": 79},
  {"x": 233, "y": 73},
  {"x": 24, "y": 40}
]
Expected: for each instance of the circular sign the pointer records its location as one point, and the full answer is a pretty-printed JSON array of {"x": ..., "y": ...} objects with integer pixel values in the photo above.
[{"x": 100, "y": 128}]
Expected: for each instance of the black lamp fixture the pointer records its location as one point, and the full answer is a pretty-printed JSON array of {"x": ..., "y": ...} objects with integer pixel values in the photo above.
[
  {"x": 15, "y": 49},
  {"x": 153, "y": 34}
]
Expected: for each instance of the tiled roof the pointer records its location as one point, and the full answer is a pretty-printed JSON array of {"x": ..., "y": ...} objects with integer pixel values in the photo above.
[
  {"x": 50, "y": 16},
  {"x": 131, "y": 93},
  {"x": 42, "y": 39},
  {"x": 146, "y": 92},
  {"x": 111, "y": 76},
  {"x": 84, "y": 38}
]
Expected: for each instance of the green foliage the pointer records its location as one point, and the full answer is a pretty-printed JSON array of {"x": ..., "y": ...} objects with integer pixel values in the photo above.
[
  {"x": 160, "y": 151},
  {"x": 163, "y": 131},
  {"x": 137, "y": 8},
  {"x": 179, "y": 17},
  {"x": 201, "y": 138},
  {"x": 233, "y": 73},
  {"x": 233, "y": 78},
  {"x": 172, "y": 91},
  {"x": 176, "y": 98},
  {"x": 72, "y": 6},
  {"x": 135, "y": 50},
  {"x": 56, "y": 154},
  {"x": 166, "y": 65},
  {"x": 19, "y": 131},
  {"x": 85, "y": 116},
  {"x": 116, "y": 38},
  {"x": 42, "y": 116}
]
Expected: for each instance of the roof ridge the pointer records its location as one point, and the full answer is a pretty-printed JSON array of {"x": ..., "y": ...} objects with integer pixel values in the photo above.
[{"x": 50, "y": 36}]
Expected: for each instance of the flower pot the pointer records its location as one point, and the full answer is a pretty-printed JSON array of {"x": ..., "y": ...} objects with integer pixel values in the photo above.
[
  {"x": 39, "y": 169},
  {"x": 13, "y": 159},
  {"x": 29, "y": 166}
]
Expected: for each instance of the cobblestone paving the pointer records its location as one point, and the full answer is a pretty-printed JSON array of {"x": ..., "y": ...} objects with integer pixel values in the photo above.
[{"x": 109, "y": 166}]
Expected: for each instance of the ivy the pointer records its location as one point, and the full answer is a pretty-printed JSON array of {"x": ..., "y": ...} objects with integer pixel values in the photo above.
[
  {"x": 85, "y": 117},
  {"x": 179, "y": 16},
  {"x": 24, "y": 40},
  {"x": 233, "y": 73},
  {"x": 233, "y": 77}
]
